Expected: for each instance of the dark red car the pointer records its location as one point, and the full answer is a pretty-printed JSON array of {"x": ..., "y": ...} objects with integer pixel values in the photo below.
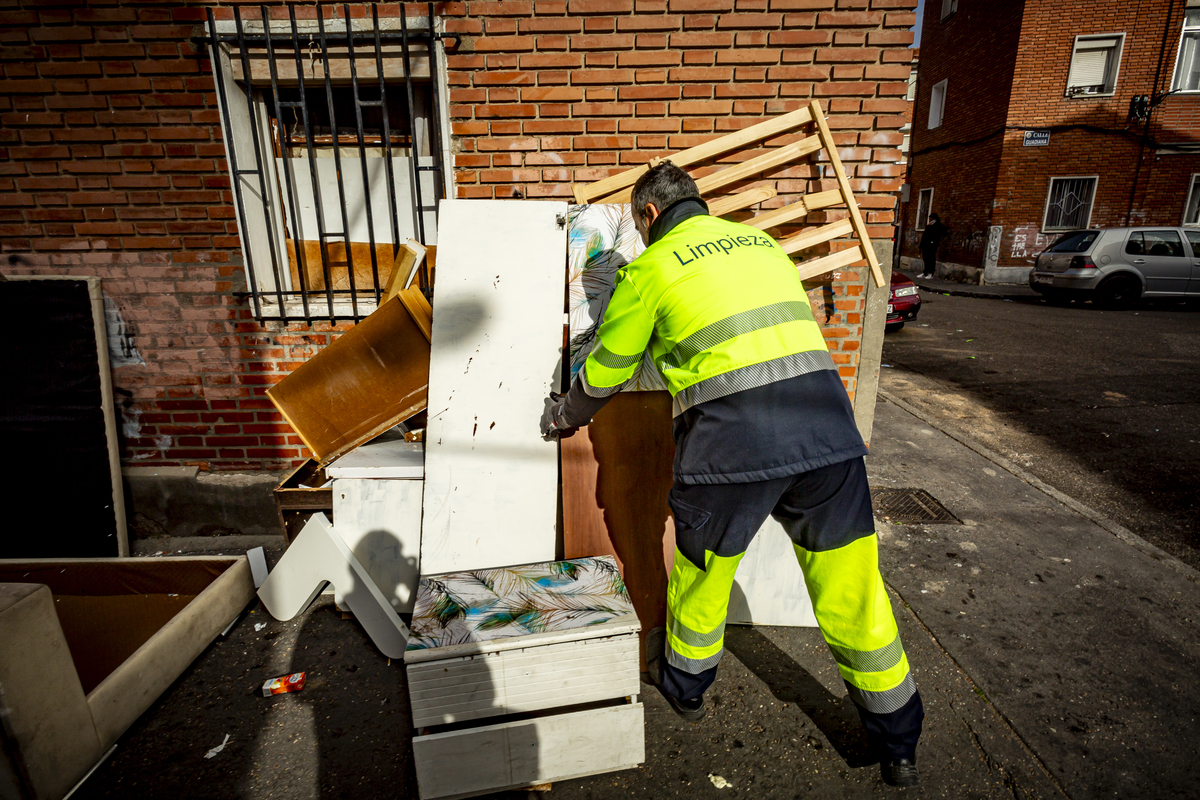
[{"x": 903, "y": 303}]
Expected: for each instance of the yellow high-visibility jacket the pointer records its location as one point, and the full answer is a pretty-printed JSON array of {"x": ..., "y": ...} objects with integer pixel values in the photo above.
[{"x": 721, "y": 309}]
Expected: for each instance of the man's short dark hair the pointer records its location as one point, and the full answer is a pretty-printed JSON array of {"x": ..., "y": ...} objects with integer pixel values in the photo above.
[{"x": 664, "y": 185}]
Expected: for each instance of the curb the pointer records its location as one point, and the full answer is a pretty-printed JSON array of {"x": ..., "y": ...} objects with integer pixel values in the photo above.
[
  {"x": 1015, "y": 295},
  {"x": 1120, "y": 531}
]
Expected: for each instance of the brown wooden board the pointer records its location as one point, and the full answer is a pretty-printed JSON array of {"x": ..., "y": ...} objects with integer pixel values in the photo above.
[
  {"x": 616, "y": 474},
  {"x": 339, "y": 263},
  {"x": 372, "y": 377}
]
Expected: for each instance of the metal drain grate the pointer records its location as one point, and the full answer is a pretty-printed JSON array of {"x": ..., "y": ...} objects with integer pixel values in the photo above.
[{"x": 910, "y": 507}]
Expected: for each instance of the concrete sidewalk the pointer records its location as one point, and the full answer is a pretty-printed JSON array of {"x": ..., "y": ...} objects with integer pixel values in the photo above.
[
  {"x": 1055, "y": 660},
  {"x": 1083, "y": 637}
]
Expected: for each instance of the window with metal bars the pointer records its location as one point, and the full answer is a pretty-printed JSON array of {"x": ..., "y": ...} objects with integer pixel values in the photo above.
[
  {"x": 1069, "y": 203},
  {"x": 332, "y": 133}
]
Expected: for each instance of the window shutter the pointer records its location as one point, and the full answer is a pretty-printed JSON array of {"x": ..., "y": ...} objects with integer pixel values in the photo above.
[{"x": 1090, "y": 62}]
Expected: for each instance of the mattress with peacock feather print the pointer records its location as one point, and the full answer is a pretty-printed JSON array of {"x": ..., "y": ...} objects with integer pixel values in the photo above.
[
  {"x": 601, "y": 238},
  {"x": 489, "y": 604}
]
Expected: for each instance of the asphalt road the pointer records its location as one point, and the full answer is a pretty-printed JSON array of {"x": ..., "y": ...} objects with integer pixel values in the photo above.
[{"x": 1103, "y": 405}]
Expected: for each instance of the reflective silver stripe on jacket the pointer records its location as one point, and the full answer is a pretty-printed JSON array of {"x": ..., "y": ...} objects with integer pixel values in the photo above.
[
  {"x": 692, "y": 666},
  {"x": 751, "y": 377},
  {"x": 884, "y": 702},
  {"x": 606, "y": 358},
  {"x": 733, "y": 326},
  {"x": 879, "y": 660}
]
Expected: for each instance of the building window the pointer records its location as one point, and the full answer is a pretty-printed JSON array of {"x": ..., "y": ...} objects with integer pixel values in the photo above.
[
  {"x": 333, "y": 148},
  {"x": 924, "y": 204},
  {"x": 937, "y": 104},
  {"x": 1095, "y": 62},
  {"x": 1187, "y": 64},
  {"x": 1191, "y": 209},
  {"x": 1069, "y": 203},
  {"x": 912, "y": 85},
  {"x": 949, "y": 7}
]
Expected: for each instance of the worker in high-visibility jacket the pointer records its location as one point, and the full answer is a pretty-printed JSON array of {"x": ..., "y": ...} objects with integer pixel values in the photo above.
[{"x": 762, "y": 425}]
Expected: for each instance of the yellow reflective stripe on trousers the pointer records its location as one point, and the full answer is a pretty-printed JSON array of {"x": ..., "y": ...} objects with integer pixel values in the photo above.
[
  {"x": 855, "y": 615},
  {"x": 697, "y": 603}
]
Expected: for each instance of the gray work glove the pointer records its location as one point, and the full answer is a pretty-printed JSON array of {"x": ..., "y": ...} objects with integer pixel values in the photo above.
[{"x": 553, "y": 424}]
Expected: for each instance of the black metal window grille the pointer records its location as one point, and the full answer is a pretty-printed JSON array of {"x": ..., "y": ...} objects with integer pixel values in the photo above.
[
  {"x": 1069, "y": 203},
  {"x": 343, "y": 117}
]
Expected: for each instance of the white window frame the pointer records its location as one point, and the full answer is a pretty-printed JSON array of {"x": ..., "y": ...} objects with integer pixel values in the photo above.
[
  {"x": 1091, "y": 204},
  {"x": 1114, "y": 66},
  {"x": 948, "y": 8},
  {"x": 921, "y": 223},
  {"x": 1193, "y": 195},
  {"x": 1188, "y": 31},
  {"x": 938, "y": 94},
  {"x": 261, "y": 215}
]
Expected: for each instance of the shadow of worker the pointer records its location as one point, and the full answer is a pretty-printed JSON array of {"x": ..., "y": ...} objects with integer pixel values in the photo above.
[{"x": 836, "y": 717}]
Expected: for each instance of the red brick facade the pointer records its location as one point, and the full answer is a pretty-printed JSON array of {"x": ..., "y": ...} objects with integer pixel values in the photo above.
[
  {"x": 1007, "y": 66},
  {"x": 112, "y": 162}
]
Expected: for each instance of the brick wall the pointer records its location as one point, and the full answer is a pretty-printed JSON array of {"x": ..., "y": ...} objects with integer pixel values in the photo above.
[
  {"x": 1089, "y": 135},
  {"x": 112, "y": 163}
]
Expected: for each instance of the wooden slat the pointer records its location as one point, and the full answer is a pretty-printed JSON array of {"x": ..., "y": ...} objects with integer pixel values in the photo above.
[
  {"x": 753, "y": 166},
  {"x": 860, "y": 227},
  {"x": 735, "y": 202},
  {"x": 557, "y": 747},
  {"x": 419, "y": 308},
  {"x": 409, "y": 257},
  {"x": 519, "y": 681},
  {"x": 701, "y": 152},
  {"x": 817, "y": 235},
  {"x": 819, "y": 266},
  {"x": 800, "y": 208}
]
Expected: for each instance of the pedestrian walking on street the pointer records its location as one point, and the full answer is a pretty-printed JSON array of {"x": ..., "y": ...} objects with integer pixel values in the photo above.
[
  {"x": 762, "y": 426},
  {"x": 931, "y": 237}
]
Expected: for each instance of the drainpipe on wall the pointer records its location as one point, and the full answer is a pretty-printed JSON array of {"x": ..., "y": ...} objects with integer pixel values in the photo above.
[{"x": 1154, "y": 100}]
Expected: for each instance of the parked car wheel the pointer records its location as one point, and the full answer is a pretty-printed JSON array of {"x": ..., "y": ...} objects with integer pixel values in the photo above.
[{"x": 1119, "y": 291}]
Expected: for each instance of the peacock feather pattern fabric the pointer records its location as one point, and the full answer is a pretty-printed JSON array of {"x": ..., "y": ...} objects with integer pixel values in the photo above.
[
  {"x": 601, "y": 239},
  {"x": 487, "y": 604}
]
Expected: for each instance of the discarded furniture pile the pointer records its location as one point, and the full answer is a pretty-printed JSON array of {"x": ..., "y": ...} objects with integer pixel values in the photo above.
[{"x": 432, "y": 497}]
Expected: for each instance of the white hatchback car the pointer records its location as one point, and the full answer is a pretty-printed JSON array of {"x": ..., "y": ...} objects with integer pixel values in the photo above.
[{"x": 1119, "y": 265}]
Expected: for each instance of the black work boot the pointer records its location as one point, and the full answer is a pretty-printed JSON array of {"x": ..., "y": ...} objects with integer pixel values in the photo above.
[
  {"x": 656, "y": 641},
  {"x": 900, "y": 772}
]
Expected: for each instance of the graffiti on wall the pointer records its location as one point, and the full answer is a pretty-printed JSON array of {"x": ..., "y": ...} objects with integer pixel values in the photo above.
[{"x": 1028, "y": 241}]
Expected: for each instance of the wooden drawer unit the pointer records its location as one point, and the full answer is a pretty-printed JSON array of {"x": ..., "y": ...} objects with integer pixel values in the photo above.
[{"x": 522, "y": 674}]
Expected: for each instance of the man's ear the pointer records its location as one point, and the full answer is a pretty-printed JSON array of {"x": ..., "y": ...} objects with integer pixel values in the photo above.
[{"x": 652, "y": 213}]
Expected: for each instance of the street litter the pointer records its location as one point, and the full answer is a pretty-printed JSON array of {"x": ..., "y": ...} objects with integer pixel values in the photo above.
[
  {"x": 719, "y": 782},
  {"x": 284, "y": 684},
  {"x": 258, "y": 626},
  {"x": 218, "y": 748}
]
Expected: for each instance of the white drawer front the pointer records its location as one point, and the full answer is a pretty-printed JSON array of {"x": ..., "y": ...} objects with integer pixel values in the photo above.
[
  {"x": 529, "y": 679},
  {"x": 492, "y": 758}
]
